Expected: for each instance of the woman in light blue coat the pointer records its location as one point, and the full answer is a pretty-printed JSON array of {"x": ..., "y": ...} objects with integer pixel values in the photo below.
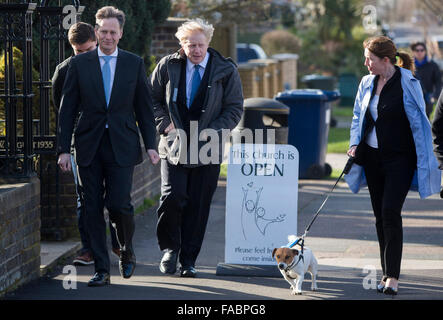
[{"x": 392, "y": 144}]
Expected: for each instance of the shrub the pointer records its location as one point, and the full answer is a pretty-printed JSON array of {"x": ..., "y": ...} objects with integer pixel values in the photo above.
[
  {"x": 17, "y": 58},
  {"x": 280, "y": 41}
]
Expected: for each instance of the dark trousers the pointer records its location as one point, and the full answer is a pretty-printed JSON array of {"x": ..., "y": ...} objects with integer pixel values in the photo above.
[
  {"x": 104, "y": 182},
  {"x": 81, "y": 220},
  {"x": 388, "y": 183},
  {"x": 429, "y": 108},
  {"x": 186, "y": 196}
]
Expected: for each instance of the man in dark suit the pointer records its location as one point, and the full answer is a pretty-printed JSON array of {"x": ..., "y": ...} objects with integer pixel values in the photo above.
[
  {"x": 195, "y": 91},
  {"x": 82, "y": 39},
  {"x": 109, "y": 88},
  {"x": 428, "y": 72}
]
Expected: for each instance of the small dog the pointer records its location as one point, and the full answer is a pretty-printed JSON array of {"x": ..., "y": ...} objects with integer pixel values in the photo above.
[{"x": 293, "y": 265}]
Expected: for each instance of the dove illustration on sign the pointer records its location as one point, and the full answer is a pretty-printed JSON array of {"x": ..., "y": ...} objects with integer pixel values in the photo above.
[{"x": 251, "y": 207}]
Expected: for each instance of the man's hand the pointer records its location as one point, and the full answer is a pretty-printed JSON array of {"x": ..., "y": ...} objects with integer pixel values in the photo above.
[
  {"x": 64, "y": 162},
  {"x": 153, "y": 156}
]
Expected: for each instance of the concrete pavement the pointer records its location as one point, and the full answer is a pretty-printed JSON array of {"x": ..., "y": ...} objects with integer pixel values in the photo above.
[{"x": 343, "y": 239}]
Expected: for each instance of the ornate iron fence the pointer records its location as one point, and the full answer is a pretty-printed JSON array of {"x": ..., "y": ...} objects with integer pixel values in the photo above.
[
  {"x": 28, "y": 135},
  {"x": 16, "y": 142}
]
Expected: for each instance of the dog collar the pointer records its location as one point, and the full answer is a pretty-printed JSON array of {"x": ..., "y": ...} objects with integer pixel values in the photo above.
[{"x": 293, "y": 263}]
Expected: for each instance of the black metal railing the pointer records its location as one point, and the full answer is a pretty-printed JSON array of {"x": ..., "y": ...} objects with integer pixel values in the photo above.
[
  {"x": 26, "y": 137},
  {"x": 16, "y": 96}
]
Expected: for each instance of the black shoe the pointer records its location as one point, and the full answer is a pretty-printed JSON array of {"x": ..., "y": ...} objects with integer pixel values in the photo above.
[
  {"x": 188, "y": 272},
  {"x": 126, "y": 264},
  {"x": 100, "y": 279},
  {"x": 381, "y": 287},
  {"x": 168, "y": 264},
  {"x": 390, "y": 291}
]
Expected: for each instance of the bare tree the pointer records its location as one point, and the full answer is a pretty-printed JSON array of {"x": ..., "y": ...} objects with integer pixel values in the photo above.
[{"x": 240, "y": 12}]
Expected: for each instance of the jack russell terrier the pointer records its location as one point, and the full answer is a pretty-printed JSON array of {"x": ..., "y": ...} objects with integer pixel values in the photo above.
[{"x": 293, "y": 264}]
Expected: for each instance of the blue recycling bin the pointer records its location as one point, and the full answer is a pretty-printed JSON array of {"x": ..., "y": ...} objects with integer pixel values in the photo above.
[
  {"x": 309, "y": 118},
  {"x": 332, "y": 96}
]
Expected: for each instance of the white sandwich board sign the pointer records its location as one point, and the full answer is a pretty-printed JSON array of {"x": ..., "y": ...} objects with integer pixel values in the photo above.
[{"x": 261, "y": 201}]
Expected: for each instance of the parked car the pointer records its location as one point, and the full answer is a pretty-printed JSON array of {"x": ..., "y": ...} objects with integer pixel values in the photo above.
[
  {"x": 405, "y": 42},
  {"x": 248, "y": 51}
]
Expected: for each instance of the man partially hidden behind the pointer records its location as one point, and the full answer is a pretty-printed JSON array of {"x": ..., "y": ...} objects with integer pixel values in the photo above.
[
  {"x": 82, "y": 39},
  {"x": 109, "y": 88},
  {"x": 195, "y": 86},
  {"x": 428, "y": 72}
]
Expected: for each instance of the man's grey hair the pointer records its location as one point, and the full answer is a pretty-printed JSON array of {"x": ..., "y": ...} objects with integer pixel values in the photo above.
[{"x": 187, "y": 28}]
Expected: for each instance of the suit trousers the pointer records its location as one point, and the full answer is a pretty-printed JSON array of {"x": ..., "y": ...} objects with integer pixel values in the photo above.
[
  {"x": 186, "y": 195},
  {"x": 104, "y": 182},
  {"x": 389, "y": 181},
  {"x": 81, "y": 220}
]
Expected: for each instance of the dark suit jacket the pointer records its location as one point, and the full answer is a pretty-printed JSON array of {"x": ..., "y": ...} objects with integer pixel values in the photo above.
[
  {"x": 222, "y": 107},
  {"x": 130, "y": 103},
  {"x": 58, "y": 79}
]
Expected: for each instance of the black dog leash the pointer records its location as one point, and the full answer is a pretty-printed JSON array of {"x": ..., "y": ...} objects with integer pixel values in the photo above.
[{"x": 302, "y": 239}]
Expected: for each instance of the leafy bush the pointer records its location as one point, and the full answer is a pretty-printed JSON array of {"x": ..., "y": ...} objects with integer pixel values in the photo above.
[
  {"x": 332, "y": 42},
  {"x": 141, "y": 18},
  {"x": 280, "y": 41},
  {"x": 17, "y": 58}
]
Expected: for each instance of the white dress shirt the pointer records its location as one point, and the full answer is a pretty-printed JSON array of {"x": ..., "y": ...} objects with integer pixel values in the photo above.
[
  {"x": 371, "y": 139},
  {"x": 190, "y": 72}
]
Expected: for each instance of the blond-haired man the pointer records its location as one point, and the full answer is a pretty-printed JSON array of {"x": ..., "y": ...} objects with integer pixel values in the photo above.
[{"x": 194, "y": 89}]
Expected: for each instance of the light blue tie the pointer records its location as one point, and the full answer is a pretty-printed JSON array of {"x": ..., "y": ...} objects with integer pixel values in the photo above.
[
  {"x": 106, "y": 74},
  {"x": 195, "y": 84}
]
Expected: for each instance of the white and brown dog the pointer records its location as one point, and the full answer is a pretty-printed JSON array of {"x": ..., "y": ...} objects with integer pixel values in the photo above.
[{"x": 293, "y": 264}]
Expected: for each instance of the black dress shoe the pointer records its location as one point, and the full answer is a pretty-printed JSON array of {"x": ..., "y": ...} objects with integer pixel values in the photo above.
[
  {"x": 390, "y": 291},
  {"x": 126, "y": 264},
  {"x": 100, "y": 279},
  {"x": 168, "y": 264},
  {"x": 380, "y": 288},
  {"x": 188, "y": 272}
]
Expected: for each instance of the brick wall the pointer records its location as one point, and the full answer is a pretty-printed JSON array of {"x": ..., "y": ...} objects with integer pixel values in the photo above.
[
  {"x": 146, "y": 184},
  {"x": 288, "y": 66},
  {"x": 249, "y": 79},
  {"x": 164, "y": 41},
  {"x": 267, "y": 77},
  {"x": 19, "y": 234},
  {"x": 268, "y": 70},
  {"x": 263, "y": 75},
  {"x": 64, "y": 225}
]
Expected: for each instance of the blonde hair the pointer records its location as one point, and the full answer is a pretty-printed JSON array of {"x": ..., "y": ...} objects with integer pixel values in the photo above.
[{"x": 187, "y": 28}]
